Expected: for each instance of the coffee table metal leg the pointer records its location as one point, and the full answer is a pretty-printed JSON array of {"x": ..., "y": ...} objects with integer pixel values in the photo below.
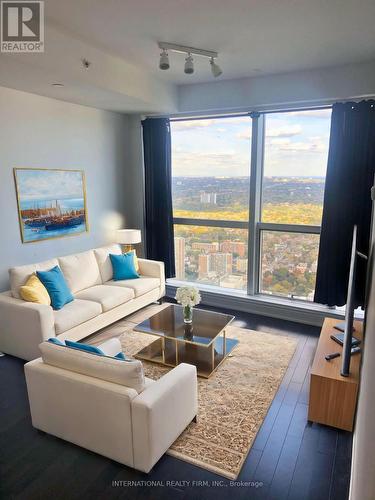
[
  {"x": 163, "y": 350},
  {"x": 213, "y": 355},
  {"x": 176, "y": 347},
  {"x": 224, "y": 344}
]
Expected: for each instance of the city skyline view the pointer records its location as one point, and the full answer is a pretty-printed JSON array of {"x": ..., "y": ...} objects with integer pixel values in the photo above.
[{"x": 210, "y": 180}]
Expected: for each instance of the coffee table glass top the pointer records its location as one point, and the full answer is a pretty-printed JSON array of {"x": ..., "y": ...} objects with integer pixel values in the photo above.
[{"x": 169, "y": 323}]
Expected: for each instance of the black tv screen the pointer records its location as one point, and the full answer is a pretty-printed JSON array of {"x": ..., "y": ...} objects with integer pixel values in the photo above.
[{"x": 349, "y": 312}]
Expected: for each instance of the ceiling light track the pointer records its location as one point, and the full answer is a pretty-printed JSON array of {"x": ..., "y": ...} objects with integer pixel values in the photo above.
[
  {"x": 189, "y": 62},
  {"x": 184, "y": 49}
]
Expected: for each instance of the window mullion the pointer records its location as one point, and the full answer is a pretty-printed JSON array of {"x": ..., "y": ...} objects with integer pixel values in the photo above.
[{"x": 256, "y": 172}]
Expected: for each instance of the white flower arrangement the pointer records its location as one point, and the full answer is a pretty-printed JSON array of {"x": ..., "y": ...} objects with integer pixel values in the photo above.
[{"x": 188, "y": 296}]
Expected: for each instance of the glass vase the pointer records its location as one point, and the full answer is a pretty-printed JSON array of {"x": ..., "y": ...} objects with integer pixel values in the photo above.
[{"x": 188, "y": 314}]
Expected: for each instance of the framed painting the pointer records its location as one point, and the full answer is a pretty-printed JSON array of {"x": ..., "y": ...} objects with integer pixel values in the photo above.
[{"x": 51, "y": 203}]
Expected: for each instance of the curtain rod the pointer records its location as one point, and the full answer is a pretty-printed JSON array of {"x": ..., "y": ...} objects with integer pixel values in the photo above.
[
  {"x": 244, "y": 114},
  {"x": 208, "y": 115},
  {"x": 277, "y": 108}
]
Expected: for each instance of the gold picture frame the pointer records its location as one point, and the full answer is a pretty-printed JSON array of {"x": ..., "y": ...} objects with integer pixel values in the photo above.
[{"x": 52, "y": 203}]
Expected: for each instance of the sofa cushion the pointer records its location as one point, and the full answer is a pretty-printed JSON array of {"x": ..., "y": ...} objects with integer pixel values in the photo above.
[
  {"x": 75, "y": 313},
  {"x": 104, "y": 261},
  {"x": 80, "y": 270},
  {"x": 141, "y": 285},
  {"x": 20, "y": 274},
  {"x": 129, "y": 374},
  {"x": 107, "y": 296}
]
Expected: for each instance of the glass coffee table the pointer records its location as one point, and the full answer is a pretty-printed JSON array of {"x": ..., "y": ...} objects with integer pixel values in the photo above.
[{"x": 202, "y": 343}]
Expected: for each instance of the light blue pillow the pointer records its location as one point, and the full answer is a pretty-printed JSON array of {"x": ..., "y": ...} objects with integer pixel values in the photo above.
[
  {"x": 123, "y": 266},
  {"x": 85, "y": 347},
  {"x": 93, "y": 349},
  {"x": 55, "y": 340},
  {"x": 121, "y": 355},
  {"x": 56, "y": 286}
]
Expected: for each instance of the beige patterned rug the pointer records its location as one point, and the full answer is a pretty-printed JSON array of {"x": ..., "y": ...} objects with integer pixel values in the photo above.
[{"x": 232, "y": 403}]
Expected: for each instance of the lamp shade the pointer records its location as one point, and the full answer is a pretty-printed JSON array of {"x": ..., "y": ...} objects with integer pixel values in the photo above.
[{"x": 128, "y": 236}]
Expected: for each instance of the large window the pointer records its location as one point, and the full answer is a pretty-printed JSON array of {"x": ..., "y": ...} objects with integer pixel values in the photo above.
[{"x": 248, "y": 198}]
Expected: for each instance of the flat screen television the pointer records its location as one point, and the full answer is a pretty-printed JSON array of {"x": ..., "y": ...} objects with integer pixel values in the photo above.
[
  {"x": 349, "y": 341},
  {"x": 349, "y": 311}
]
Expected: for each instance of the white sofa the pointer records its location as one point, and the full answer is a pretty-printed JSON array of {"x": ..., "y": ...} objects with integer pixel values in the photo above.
[
  {"x": 99, "y": 301},
  {"x": 107, "y": 405}
]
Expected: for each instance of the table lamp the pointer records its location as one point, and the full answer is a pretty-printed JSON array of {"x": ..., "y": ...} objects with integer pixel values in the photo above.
[{"x": 127, "y": 238}]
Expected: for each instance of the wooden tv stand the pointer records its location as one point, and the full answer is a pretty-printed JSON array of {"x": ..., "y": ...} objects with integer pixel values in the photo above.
[{"x": 333, "y": 398}]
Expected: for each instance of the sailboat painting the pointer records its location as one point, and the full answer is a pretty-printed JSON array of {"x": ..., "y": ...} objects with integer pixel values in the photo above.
[{"x": 51, "y": 203}]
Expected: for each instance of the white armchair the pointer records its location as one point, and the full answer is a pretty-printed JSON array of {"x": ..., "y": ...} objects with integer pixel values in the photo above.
[{"x": 134, "y": 427}]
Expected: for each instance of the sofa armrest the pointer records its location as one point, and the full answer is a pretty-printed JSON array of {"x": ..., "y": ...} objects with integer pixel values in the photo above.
[
  {"x": 23, "y": 326},
  {"x": 161, "y": 412},
  {"x": 152, "y": 268}
]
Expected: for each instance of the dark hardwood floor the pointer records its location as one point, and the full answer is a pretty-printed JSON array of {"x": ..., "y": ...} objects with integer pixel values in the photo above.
[{"x": 290, "y": 459}]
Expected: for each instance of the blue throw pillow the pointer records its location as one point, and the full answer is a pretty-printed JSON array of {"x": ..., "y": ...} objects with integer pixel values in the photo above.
[
  {"x": 120, "y": 355},
  {"x": 85, "y": 347},
  {"x": 56, "y": 286},
  {"x": 55, "y": 340},
  {"x": 123, "y": 266}
]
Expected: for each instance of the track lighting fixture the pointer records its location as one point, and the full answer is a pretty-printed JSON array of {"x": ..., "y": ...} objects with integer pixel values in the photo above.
[
  {"x": 164, "y": 60},
  {"x": 189, "y": 63},
  {"x": 215, "y": 68}
]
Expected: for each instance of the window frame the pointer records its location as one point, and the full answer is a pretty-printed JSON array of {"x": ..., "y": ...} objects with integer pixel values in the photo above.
[{"x": 254, "y": 224}]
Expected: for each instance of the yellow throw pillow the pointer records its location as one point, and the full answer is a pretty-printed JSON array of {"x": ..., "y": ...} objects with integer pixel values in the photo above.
[
  {"x": 34, "y": 291},
  {"x": 136, "y": 263}
]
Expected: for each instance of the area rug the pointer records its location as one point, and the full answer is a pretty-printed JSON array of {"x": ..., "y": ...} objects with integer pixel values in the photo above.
[{"x": 232, "y": 403}]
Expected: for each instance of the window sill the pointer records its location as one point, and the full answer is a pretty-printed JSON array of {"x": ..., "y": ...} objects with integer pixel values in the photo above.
[{"x": 277, "y": 307}]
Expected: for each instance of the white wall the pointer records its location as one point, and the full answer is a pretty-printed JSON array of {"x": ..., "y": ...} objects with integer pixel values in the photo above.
[
  {"x": 134, "y": 186},
  {"x": 42, "y": 132},
  {"x": 297, "y": 89},
  {"x": 362, "y": 481}
]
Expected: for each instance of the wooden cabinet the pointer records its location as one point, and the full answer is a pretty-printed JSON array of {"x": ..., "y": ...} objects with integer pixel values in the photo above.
[{"x": 333, "y": 398}]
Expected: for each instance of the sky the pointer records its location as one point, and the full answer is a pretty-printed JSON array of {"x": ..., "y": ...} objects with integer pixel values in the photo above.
[
  {"x": 296, "y": 145},
  {"x": 49, "y": 184}
]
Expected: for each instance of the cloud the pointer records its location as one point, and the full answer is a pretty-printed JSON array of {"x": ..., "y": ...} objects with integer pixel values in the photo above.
[
  {"x": 223, "y": 163},
  {"x": 244, "y": 134},
  {"x": 180, "y": 125},
  {"x": 313, "y": 113},
  {"x": 191, "y": 124},
  {"x": 47, "y": 185},
  {"x": 284, "y": 131},
  {"x": 315, "y": 144}
]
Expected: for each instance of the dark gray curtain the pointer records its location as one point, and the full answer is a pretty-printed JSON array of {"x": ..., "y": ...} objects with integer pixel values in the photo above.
[
  {"x": 158, "y": 192},
  {"x": 347, "y": 201}
]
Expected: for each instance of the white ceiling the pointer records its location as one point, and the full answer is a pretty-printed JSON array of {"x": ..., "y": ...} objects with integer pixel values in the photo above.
[
  {"x": 119, "y": 37},
  {"x": 251, "y": 36}
]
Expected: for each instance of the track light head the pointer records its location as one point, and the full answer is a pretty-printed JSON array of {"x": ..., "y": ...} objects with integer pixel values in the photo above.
[
  {"x": 189, "y": 64},
  {"x": 215, "y": 68},
  {"x": 164, "y": 60}
]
